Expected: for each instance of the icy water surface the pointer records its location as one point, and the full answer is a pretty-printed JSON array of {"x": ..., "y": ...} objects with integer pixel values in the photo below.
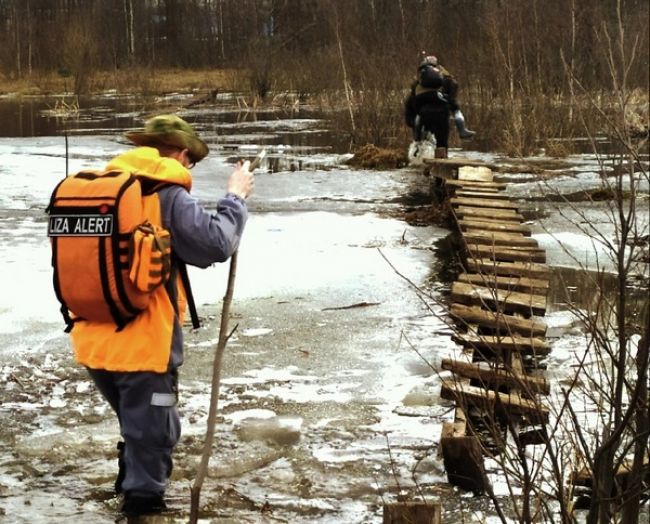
[
  {"x": 330, "y": 400},
  {"x": 315, "y": 377}
]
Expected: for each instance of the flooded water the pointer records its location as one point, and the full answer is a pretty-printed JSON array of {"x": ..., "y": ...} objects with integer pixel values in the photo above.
[{"x": 330, "y": 400}]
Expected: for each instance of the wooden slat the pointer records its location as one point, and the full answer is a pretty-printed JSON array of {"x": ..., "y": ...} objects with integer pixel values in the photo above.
[
  {"x": 517, "y": 367},
  {"x": 483, "y": 193},
  {"x": 493, "y": 225},
  {"x": 514, "y": 404},
  {"x": 506, "y": 215},
  {"x": 507, "y": 324},
  {"x": 494, "y": 376},
  {"x": 532, "y": 435},
  {"x": 455, "y": 162},
  {"x": 520, "y": 269},
  {"x": 583, "y": 477},
  {"x": 508, "y": 301},
  {"x": 475, "y": 184},
  {"x": 537, "y": 286},
  {"x": 498, "y": 238},
  {"x": 506, "y": 254},
  {"x": 460, "y": 417},
  {"x": 457, "y": 428},
  {"x": 475, "y": 173},
  {"x": 526, "y": 345},
  {"x": 483, "y": 203}
]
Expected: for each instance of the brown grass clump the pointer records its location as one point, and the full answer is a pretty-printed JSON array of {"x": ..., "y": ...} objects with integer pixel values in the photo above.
[
  {"x": 373, "y": 157},
  {"x": 558, "y": 148}
]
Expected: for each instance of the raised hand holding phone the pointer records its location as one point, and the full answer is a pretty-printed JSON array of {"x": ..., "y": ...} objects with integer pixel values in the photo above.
[{"x": 257, "y": 161}]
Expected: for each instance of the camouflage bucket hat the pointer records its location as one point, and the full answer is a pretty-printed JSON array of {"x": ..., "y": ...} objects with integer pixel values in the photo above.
[{"x": 170, "y": 130}]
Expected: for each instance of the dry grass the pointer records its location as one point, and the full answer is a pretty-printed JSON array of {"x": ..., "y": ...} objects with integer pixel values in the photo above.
[
  {"x": 158, "y": 81},
  {"x": 371, "y": 156}
]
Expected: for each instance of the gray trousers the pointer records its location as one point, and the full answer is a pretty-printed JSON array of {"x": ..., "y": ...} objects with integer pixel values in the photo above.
[{"x": 145, "y": 404}]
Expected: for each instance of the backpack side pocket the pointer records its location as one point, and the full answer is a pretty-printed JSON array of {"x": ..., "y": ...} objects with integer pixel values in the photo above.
[{"x": 149, "y": 257}]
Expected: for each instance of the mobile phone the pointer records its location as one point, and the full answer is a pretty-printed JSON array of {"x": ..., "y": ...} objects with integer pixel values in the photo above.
[{"x": 257, "y": 160}]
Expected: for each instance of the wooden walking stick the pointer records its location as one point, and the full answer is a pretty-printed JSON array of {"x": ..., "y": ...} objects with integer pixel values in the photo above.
[
  {"x": 214, "y": 398},
  {"x": 195, "y": 490}
]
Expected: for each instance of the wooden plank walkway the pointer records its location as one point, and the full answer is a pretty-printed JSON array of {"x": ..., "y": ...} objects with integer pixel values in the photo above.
[{"x": 498, "y": 302}]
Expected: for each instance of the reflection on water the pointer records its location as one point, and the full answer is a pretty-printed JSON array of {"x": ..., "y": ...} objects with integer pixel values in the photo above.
[
  {"x": 572, "y": 288},
  {"x": 26, "y": 116},
  {"x": 302, "y": 128},
  {"x": 297, "y": 138}
]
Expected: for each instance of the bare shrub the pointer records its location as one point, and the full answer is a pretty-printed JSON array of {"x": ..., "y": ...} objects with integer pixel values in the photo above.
[
  {"x": 79, "y": 53},
  {"x": 600, "y": 438}
]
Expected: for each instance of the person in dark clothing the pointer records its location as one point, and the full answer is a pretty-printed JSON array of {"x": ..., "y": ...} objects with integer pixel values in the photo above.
[{"x": 431, "y": 101}]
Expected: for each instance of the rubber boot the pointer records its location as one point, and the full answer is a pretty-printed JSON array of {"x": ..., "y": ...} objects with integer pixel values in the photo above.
[
  {"x": 441, "y": 152},
  {"x": 137, "y": 504},
  {"x": 459, "y": 120}
]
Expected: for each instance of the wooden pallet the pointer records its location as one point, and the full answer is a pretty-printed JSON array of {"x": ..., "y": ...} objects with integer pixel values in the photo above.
[{"x": 498, "y": 302}]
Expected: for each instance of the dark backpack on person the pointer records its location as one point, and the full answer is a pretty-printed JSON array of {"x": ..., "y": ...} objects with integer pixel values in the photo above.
[{"x": 430, "y": 76}]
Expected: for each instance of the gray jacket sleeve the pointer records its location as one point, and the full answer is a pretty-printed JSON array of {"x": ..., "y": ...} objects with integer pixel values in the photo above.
[{"x": 201, "y": 238}]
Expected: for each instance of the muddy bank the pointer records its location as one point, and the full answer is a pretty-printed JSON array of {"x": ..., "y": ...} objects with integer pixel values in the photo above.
[{"x": 314, "y": 403}]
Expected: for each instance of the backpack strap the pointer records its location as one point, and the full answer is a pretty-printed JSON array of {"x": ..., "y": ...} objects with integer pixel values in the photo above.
[
  {"x": 185, "y": 279},
  {"x": 151, "y": 186},
  {"x": 189, "y": 296}
]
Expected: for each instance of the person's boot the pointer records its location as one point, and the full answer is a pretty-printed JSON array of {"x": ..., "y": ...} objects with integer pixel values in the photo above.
[
  {"x": 121, "y": 472},
  {"x": 136, "y": 504},
  {"x": 441, "y": 152},
  {"x": 459, "y": 120}
]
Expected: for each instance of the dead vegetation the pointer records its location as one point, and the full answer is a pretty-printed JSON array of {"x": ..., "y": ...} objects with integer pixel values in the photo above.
[
  {"x": 517, "y": 92},
  {"x": 373, "y": 157},
  {"x": 154, "y": 81}
]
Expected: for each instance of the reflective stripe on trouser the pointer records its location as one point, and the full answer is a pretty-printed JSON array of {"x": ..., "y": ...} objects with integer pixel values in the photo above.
[{"x": 145, "y": 404}]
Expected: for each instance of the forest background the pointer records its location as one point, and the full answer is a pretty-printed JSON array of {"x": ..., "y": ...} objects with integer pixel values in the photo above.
[{"x": 524, "y": 66}]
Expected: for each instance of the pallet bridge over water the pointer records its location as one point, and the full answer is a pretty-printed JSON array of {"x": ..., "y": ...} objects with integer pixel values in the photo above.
[{"x": 498, "y": 302}]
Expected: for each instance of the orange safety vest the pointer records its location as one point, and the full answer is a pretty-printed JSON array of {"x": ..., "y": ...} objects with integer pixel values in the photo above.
[{"x": 144, "y": 344}]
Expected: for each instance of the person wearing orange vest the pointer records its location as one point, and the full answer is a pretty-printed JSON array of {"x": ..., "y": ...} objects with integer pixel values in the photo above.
[{"x": 136, "y": 367}]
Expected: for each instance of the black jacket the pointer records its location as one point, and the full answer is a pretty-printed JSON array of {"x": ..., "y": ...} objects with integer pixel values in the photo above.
[{"x": 431, "y": 101}]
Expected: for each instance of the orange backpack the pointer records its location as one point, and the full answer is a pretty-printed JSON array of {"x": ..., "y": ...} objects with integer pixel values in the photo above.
[{"x": 107, "y": 257}]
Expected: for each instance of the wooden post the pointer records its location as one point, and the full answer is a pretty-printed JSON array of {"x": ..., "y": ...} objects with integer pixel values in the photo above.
[
  {"x": 463, "y": 459},
  {"x": 412, "y": 512}
]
